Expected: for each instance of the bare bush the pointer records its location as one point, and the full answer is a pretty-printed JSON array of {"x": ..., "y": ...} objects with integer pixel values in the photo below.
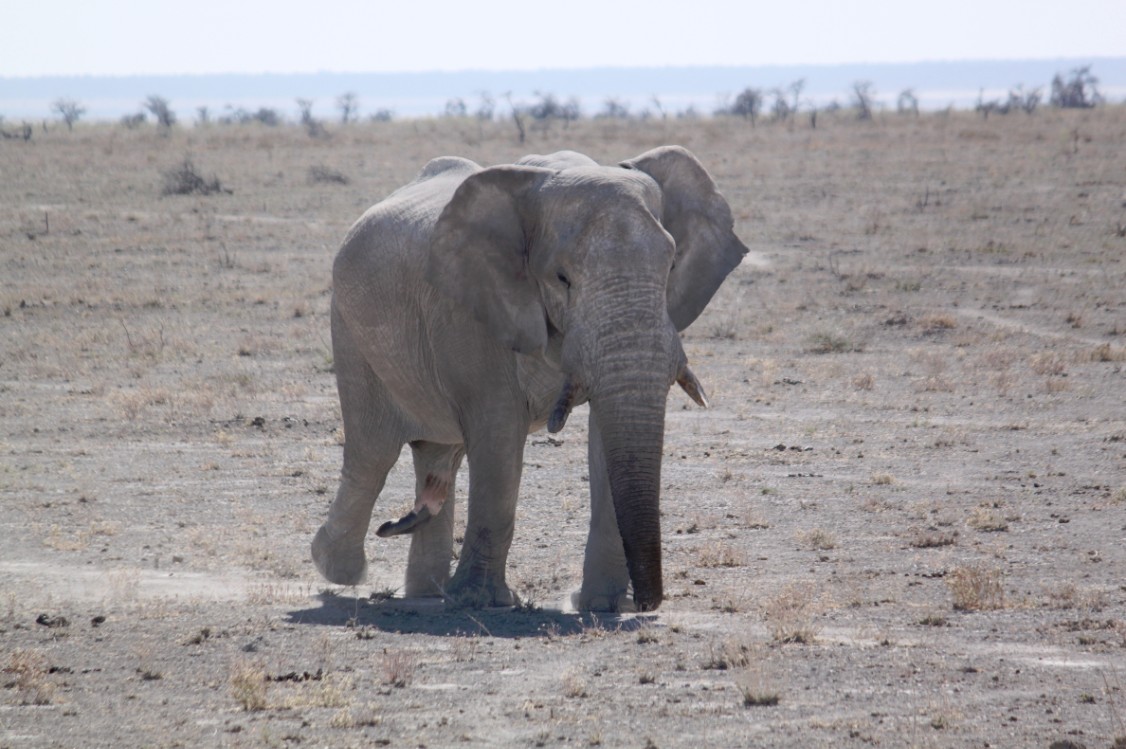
[
  {"x": 862, "y": 99},
  {"x": 184, "y": 179},
  {"x": 748, "y": 105},
  {"x": 1027, "y": 101},
  {"x": 614, "y": 108},
  {"x": 487, "y": 108},
  {"x": 907, "y": 103},
  {"x": 20, "y": 133},
  {"x": 455, "y": 107},
  {"x": 1080, "y": 91},
  {"x": 134, "y": 121},
  {"x": 69, "y": 110},
  {"x": 313, "y": 126},
  {"x": 349, "y": 106},
  {"x": 160, "y": 109},
  {"x": 264, "y": 115}
]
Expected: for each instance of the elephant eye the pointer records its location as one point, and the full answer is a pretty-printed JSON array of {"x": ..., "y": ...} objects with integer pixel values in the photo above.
[{"x": 563, "y": 280}]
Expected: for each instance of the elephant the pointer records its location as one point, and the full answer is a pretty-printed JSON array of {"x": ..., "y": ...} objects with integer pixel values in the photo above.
[{"x": 474, "y": 306}]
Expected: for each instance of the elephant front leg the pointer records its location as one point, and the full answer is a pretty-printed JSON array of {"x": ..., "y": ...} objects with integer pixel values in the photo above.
[
  {"x": 338, "y": 547},
  {"x": 495, "y": 464},
  {"x": 606, "y": 582}
]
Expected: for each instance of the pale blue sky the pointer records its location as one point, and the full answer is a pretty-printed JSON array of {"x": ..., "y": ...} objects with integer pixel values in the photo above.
[{"x": 122, "y": 37}]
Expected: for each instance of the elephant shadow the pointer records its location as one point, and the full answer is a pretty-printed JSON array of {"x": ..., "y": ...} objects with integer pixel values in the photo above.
[{"x": 433, "y": 616}]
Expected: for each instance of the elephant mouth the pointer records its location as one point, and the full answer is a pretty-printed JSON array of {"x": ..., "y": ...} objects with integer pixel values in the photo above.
[{"x": 574, "y": 394}]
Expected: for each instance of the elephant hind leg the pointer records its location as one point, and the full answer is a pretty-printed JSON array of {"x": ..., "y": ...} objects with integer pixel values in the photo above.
[{"x": 428, "y": 563}]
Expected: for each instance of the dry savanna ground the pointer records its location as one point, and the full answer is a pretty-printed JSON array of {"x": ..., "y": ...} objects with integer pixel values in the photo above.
[{"x": 901, "y": 523}]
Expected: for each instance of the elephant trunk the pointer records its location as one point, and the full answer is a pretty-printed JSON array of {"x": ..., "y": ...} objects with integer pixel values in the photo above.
[{"x": 631, "y": 420}]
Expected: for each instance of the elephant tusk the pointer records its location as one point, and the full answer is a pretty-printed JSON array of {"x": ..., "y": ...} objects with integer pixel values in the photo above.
[
  {"x": 406, "y": 524},
  {"x": 689, "y": 384},
  {"x": 563, "y": 406}
]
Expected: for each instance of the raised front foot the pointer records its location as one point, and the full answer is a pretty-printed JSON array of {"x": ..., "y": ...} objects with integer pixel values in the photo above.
[{"x": 340, "y": 562}]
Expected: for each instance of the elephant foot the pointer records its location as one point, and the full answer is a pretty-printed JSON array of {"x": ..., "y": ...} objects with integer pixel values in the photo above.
[
  {"x": 340, "y": 563},
  {"x": 613, "y": 603},
  {"x": 480, "y": 594}
]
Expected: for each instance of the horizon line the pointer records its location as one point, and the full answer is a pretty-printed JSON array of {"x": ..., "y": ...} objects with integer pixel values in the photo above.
[{"x": 578, "y": 69}]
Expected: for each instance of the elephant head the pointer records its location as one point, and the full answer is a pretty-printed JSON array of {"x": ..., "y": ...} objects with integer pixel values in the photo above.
[{"x": 596, "y": 270}]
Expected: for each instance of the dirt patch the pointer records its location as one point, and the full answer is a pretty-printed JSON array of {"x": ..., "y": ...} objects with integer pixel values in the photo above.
[{"x": 900, "y": 523}]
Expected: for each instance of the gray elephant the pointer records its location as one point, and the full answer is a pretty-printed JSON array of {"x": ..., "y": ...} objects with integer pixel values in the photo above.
[{"x": 475, "y": 306}]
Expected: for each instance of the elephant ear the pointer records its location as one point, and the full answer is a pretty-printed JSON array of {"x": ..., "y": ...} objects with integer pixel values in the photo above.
[
  {"x": 479, "y": 254},
  {"x": 699, "y": 220}
]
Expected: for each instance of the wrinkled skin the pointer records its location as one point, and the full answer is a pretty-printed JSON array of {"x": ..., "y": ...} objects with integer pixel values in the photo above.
[{"x": 474, "y": 306}]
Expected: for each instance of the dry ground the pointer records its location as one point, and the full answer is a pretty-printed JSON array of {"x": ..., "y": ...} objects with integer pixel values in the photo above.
[{"x": 902, "y": 522}]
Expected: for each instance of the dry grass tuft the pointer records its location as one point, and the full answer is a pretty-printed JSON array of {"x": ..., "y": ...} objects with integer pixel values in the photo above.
[
  {"x": 718, "y": 554},
  {"x": 864, "y": 381},
  {"x": 249, "y": 684},
  {"x": 29, "y": 669},
  {"x": 987, "y": 520},
  {"x": 937, "y": 323},
  {"x": 574, "y": 685},
  {"x": 832, "y": 343},
  {"x": 398, "y": 668},
  {"x": 790, "y": 614},
  {"x": 730, "y": 654},
  {"x": 356, "y": 717},
  {"x": 1070, "y": 596},
  {"x": 818, "y": 539},
  {"x": 976, "y": 589},
  {"x": 755, "y": 696},
  {"x": 1106, "y": 353},
  {"x": 1049, "y": 363},
  {"x": 930, "y": 538}
]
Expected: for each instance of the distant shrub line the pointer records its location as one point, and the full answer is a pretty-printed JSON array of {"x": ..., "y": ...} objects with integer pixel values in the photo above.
[{"x": 1077, "y": 89}]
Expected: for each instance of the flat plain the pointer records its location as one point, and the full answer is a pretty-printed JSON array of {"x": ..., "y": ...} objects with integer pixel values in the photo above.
[{"x": 902, "y": 522}]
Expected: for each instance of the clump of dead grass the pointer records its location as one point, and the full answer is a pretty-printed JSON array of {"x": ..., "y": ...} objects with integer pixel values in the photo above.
[
  {"x": 1049, "y": 364},
  {"x": 1104, "y": 352},
  {"x": 398, "y": 667},
  {"x": 29, "y": 670},
  {"x": 937, "y": 323},
  {"x": 826, "y": 342},
  {"x": 930, "y": 538},
  {"x": 729, "y": 654},
  {"x": 818, "y": 539},
  {"x": 976, "y": 588},
  {"x": 574, "y": 685},
  {"x": 987, "y": 520},
  {"x": 790, "y": 615},
  {"x": 249, "y": 684},
  {"x": 719, "y": 554}
]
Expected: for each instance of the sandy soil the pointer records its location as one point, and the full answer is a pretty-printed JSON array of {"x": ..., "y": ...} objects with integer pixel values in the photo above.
[{"x": 901, "y": 523}]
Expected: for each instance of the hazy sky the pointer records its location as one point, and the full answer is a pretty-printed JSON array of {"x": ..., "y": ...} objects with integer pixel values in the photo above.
[{"x": 121, "y": 37}]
